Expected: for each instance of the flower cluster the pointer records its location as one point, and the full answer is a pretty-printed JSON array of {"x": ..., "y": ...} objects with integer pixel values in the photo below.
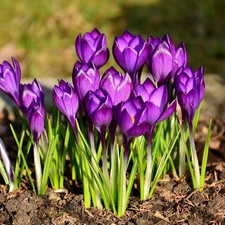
[
  {"x": 97, "y": 103},
  {"x": 28, "y": 97}
]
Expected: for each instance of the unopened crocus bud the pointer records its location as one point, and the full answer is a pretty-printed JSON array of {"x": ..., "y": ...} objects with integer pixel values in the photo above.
[
  {"x": 130, "y": 51},
  {"x": 92, "y": 48},
  {"x": 10, "y": 78},
  {"x": 99, "y": 109},
  {"x": 190, "y": 90},
  {"x": 66, "y": 100},
  {"x": 85, "y": 78},
  {"x": 165, "y": 59},
  {"x": 36, "y": 119},
  {"x": 31, "y": 93},
  {"x": 117, "y": 86}
]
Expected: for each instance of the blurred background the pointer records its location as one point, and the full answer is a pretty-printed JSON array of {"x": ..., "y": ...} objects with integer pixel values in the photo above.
[{"x": 41, "y": 34}]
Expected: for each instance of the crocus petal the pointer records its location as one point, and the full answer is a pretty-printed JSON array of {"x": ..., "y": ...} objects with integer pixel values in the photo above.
[
  {"x": 28, "y": 96},
  {"x": 181, "y": 56},
  {"x": 190, "y": 83},
  {"x": 88, "y": 36},
  {"x": 17, "y": 70},
  {"x": 125, "y": 121},
  {"x": 128, "y": 36},
  {"x": 70, "y": 104},
  {"x": 137, "y": 130},
  {"x": 140, "y": 90},
  {"x": 87, "y": 51},
  {"x": 36, "y": 120},
  {"x": 201, "y": 91},
  {"x": 101, "y": 57},
  {"x": 130, "y": 107},
  {"x": 159, "y": 97},
  {"x": 154, "y": 113},
  {"x": 149, "y": 85},
  {"x": 193, "y": 99},
  {"x": 136, "y": 43},
  {"x": 102, "y": 117},
  {"x": 169, "y": 111},
  {"x": 78, "y": 46},
  {"x": 142, "y": 57},
  {"x": 118, "y": 55},
  {"x": 95, "y": 33},
  {"x": 123, "y": 89},
  {"x": 130, "y": 58},
  {"x": 92, "y": 102},
  {"x": 83, "y": 84},
  {"x": 161, "y": 63}
]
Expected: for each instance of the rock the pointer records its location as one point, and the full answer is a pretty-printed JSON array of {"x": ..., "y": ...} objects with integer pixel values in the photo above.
[{"x": 214, "y": 103}]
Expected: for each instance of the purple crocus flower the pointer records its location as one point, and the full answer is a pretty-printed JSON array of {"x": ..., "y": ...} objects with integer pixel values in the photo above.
[
  {"x": 85, "y": 78},
  {"x": 36, "y": 119},
  {"x": 32, "y": 105},
  {"x": 164, "y": 59},
  {"x": 31, "y": 93},
  {"x": 10, "y": 78},
  {"x": 130, "y": 52},
  {"x": 144, "y": 90},
  {"x": 99, "y": 108},
  {"x": 157, "y": 106},
  {"x": 66, "y": 100},
  {"x": 92, "y": 48},
  {"x": 117, "y": 86},
  {"x": 190, "y": 90},
  {"x": 132, "y": 118},
  {"x": 156, "y": 100}
]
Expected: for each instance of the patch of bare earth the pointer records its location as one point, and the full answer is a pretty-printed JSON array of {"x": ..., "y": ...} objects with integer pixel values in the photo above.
[{"x": 173, "y": 202}]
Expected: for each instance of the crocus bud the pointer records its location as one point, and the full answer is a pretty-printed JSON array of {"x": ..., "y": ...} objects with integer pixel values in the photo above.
[
  {"x": 164, "y": 59},
  {"x": 10, "y": 78},
  {"x": 130, "y": 51},
  {"x": 66, "y": 100},
  {"x": 36, "y": 118},
  {"x": 92, "y": 48},
  {"x": 7, "y": 164},
  {"x": 132, "y": 118},
  {"x": 190, "y": 90},
  {"x": 117, "y": 86},
  {"x": 85, "y": 78},
  {"x": 99, "y": 109},
  {"x": 31, "y": 93}
]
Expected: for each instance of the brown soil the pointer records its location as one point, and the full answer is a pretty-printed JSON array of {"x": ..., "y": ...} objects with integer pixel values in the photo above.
[{"x": 173, "y": 202}]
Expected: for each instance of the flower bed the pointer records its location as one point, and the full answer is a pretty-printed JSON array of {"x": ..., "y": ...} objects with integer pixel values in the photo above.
[{"x": 88, "y": 117}]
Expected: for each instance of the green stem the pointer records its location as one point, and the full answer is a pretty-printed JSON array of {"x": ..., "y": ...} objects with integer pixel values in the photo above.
[
  {"x": 38, "y": 171},
  {"x": 96, "y": 192},
  {"x": 194, "y": 156},
  {"x": 148, "y": 172},
  {"x": 182, "y": 159},
  {"x": 104, "y": 161},
  {"x": 122, "y": 183}
]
